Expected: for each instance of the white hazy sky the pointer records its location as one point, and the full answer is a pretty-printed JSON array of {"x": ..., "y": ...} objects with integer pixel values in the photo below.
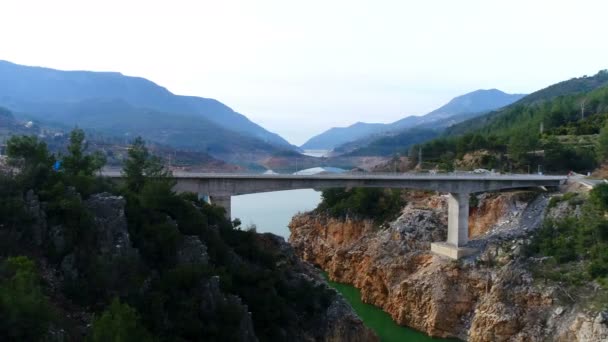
[{"x": 300, "y": 67}]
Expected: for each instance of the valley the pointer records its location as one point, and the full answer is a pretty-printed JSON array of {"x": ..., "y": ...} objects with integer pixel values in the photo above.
[{"x": 349, "y": 262}]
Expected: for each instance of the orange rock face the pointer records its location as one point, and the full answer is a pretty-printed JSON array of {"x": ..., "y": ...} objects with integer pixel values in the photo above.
[{"x": 487, "y": 297}]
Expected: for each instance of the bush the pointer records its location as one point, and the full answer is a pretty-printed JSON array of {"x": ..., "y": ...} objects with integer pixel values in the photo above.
[
  {"x": 25, "y": 314},
  {"x": 32, "y": 158},
  {"x": 118, "y": 323},
  {"x": 578, "y": 239},
  {"x": 371, "y": 203}
]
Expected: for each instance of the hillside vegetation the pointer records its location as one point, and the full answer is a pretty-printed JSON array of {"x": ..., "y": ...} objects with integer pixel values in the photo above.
[
  {"x": 553, "y": 130},
  {"x": 83, "y": 259}
]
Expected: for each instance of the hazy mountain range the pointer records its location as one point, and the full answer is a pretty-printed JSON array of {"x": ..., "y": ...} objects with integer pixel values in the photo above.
[
  {"x": 458, "y": 109},
  {"x": 120, "y": 105},
  {"x": 124, "y": 107}
]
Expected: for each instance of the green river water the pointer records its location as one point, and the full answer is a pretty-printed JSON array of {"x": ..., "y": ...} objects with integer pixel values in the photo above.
[{"x": 380, "y": 321}]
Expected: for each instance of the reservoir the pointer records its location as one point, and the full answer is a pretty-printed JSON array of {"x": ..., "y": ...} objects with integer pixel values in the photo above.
[{"x": 271, "y": 212}]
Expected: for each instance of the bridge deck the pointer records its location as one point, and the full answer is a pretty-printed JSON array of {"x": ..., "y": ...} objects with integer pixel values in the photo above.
[
  {"x": 221, "y": 186},
  {"x": 359, "y": 176}
]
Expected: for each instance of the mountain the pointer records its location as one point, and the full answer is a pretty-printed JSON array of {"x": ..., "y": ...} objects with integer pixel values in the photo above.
[
  {"x": 57, "y": 138},
  {"x": 458, "y": 109},
  {"x": 336, "y": 136},
  {"x": 120, "y": 105},
  {"x": 557, "y": 129},
  {"x": 516, "y": 113},
  {"x": 478, "y": 101}
]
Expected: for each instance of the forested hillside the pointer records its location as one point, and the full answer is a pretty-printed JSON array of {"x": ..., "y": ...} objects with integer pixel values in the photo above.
[
  {"x": 517, "y": 113},
  {"x": 557, "y": 129},
  {"x": 84, "y": 259}
]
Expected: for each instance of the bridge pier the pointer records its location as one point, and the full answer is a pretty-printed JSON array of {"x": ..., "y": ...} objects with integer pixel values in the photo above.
[
  {"x": 224, "y": 202},
  {"x": 458, "y": 228}
]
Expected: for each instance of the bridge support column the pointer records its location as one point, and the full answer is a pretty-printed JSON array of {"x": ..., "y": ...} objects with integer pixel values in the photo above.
[
  {"x": 458, "y": 228},
  {"x": 458, "y": 219},
  {"x": 224, "y": 202}
]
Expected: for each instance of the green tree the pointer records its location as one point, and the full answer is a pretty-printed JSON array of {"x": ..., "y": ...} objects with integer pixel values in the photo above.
[
  {"x": 141, "y": 164},
  {"x": 520, "y": 144},
  {"x": 602, "y": 150},
  {"x": 119, "y": 323},
  {"x": 31, "y": 157},
  {"x": 25, "y": 314},
  {"x": 77, "y": 162}
]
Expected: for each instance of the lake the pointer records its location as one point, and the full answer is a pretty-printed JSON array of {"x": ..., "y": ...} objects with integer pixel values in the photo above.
[
  {"x": 316, "y": 153},
  {"x": 271, "y": 212}
]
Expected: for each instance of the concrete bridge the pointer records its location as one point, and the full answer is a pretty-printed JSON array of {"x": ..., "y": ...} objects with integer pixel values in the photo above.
[{"x": 221, "y": 186}]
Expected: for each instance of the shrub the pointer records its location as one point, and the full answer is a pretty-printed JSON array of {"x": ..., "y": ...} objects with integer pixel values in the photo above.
[
  {"x": 118, "y": 323},
  {"x": 372, "y": 203},
  {"x": 578, "y": 239},
  {"x": 25, "y": 313}
]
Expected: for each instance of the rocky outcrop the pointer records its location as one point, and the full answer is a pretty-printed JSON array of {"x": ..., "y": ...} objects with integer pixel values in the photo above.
[
  {"x": 38, "y": 215},
  {"x": 338, "y": 322},
  {"x": 192, "y": 251},
  {"x": 214, "y": 299},
  {"x": 110, "y": 224},
  {"x": 109, "y": 244},
  {"x": 490, "y": 296}
]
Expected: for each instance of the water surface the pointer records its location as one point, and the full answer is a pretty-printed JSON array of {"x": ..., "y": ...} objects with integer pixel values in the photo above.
[
  {"x": 271, "y": 212},
  {"x": 316, "y": 153},
  {"x": 379, "y": 321}
]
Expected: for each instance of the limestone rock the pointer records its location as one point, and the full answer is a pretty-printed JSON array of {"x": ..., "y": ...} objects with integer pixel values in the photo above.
[
  {"x": 214, "y": 298},
  {"x": 192, "y": 251},
  {"x": 342, "y": 324},
  {"x": 58, "y": 239},
  {"x": 486, "y": 297},
  {"x": 110, "y": 224},
  {"x": 68, "y": 267},
  {"x": 36, "y": 210}
]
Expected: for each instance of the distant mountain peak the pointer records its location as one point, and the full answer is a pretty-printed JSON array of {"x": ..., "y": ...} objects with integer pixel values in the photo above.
[{"x": 477, "y": 101}]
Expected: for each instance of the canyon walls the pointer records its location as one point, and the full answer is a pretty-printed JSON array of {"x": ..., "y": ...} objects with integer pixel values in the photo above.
[{"x": 490, "y": 296}]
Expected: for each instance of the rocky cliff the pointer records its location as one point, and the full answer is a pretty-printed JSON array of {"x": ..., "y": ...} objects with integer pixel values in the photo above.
[
  {"x": 491, "y": 296},
  {"x": 112, "y": 249}
]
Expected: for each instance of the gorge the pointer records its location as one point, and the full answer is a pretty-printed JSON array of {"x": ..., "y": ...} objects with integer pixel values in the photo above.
[{"x": 495, "y": 295}]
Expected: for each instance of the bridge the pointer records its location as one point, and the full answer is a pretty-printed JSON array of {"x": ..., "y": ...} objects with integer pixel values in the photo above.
[{"x": 221, "y": 186}]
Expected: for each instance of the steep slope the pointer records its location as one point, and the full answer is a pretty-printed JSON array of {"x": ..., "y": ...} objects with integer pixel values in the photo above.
[
  {"x": 35, "y": 90},
  {"x": 458, "y": 109}
]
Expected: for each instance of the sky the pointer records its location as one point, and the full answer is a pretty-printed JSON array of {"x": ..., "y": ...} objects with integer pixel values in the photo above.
[{"x": 300, "y": 67}]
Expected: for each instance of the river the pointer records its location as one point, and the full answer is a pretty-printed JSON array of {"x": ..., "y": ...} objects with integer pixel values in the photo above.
[{"x": 271, "y": 212}]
